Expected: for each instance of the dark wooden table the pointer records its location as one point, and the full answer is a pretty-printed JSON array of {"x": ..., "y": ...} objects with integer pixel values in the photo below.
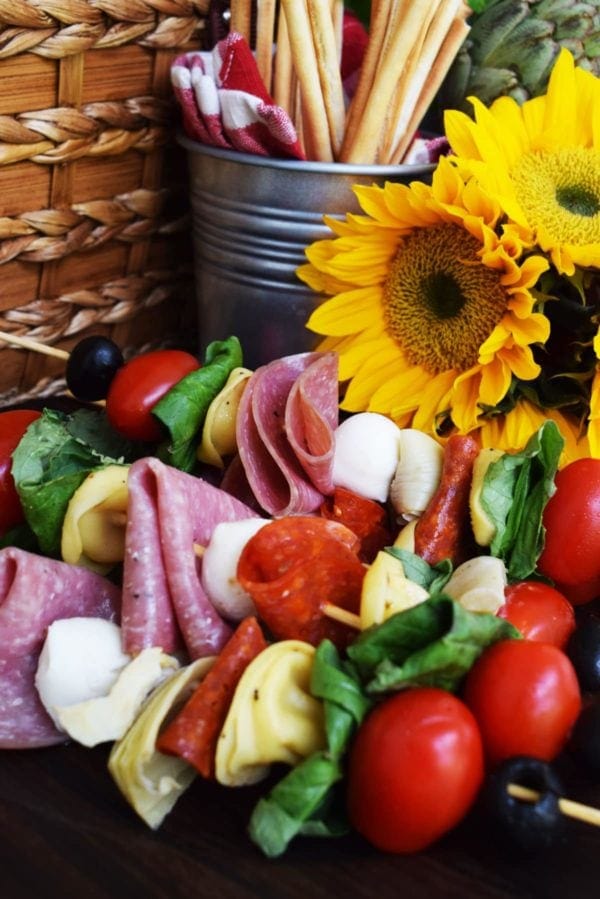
[{"x": 66, "y": 832}]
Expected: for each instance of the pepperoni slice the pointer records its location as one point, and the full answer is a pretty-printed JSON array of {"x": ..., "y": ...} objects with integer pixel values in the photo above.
[
  {"x": 365, "y": 518},
  {"x": 194, "y": 732},
  {"x": 293, "y": 567}
]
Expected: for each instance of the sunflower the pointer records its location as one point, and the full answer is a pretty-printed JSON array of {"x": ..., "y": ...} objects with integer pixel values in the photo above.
[
  {"x": 431, "y": 309},
  {"x": 512, "y": 430},
  {"x": 541, "y": 163}
]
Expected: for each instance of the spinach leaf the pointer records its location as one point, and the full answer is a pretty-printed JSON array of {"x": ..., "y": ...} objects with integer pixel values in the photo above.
[
  {"x": 432, "y": 577},
  {"x": 432, "y": 644},
  {"x": 515, "y": 491},
  {"x": 306, "y": 801},
  {"x": 183, "y": 409},
  {"x": 54, "y": 456}
]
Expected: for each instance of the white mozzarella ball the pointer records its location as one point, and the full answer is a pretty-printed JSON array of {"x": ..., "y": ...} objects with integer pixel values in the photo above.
[
  {"x": 367, "y": 448},
  {"x": 81, "y": 659},
  {"x": 219, "y": 567}
]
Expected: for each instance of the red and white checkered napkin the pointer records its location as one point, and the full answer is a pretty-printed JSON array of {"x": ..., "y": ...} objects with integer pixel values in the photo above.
[{"x": 224, "y": 102}]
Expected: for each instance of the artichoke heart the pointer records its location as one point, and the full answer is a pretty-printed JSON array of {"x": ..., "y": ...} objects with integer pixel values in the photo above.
[
  {"x": 218, "y": 432},
  {"x": 151, "y": 781},
  {"x": 478, "y": 584},
  {"x": 93, "y": 532},
  {"x": 417, "y": 474},
  {"x": 272, "y": 718},
  {"x": 106, "y": 718},
  {"x": 386, "y": 590},
  {"x": 483, "y": 528}
]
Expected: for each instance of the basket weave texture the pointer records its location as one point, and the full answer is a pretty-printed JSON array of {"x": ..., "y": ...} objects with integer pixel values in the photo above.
[{"x": 93, "y": 190}]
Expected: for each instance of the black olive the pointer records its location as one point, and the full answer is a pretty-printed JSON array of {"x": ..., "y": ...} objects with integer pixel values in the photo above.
[
  {"x": 583, "y": 649},
  {"x": 525, "y": 825},
  {"x": 92, "y": 365},
  {"x": 585, "y": 740}
]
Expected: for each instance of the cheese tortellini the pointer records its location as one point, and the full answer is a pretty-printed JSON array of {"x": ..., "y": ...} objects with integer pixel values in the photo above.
[
  {"x": 218, "y": 433},
  {"x": 93, "y": 533},
  {"x": 273, "y": 717}
]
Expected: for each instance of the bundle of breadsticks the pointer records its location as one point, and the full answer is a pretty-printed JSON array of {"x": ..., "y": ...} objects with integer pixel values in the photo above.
[{"x": 410, "y": 48}]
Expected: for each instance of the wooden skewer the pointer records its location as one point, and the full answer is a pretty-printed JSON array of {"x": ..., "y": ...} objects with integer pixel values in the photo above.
[
  {"x": 28, "y": 344},
  {"x": 568, "y": 807},
  {"x": 342, "y": 615}
]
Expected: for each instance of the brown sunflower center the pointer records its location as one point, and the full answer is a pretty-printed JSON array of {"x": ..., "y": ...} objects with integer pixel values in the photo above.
[
  {"x": 559, "y": 190},
  {"x": 441, "y": 302}
]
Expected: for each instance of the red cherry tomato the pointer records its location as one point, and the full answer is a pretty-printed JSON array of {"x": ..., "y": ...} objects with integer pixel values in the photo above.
[
  {"x": 415, "y": 769},
  {"x": 571, "y": 555},
  {"x": 12, "y": 427},
  {"x": 539, "y": 612},
  {"x": 525, "y": 697},
  {"x": 139, "y": 385}
]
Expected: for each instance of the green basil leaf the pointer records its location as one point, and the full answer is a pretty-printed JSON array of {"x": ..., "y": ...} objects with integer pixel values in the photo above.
[
  {"x": 432, "y": 644},
  {"x": 345, "y": 702},
  {"x": 183, "y": 408},
  {"x": 432, "y": 577},
  {"x": 54, "y": 456},
  {"x": 515, "y": 491},
  {"x": 302, "y": 802}
]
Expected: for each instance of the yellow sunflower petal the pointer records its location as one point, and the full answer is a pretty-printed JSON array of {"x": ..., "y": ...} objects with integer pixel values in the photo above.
[
  {"x": 435, "y": 398},
  {"x": 465, "y": 400},
  {"x": 347, "y": 313}
]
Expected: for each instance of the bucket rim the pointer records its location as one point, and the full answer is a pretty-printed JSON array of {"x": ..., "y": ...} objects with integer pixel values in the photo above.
[{"x": 329, "y": 168}]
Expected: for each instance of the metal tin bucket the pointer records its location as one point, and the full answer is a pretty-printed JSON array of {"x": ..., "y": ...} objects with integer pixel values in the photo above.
[{"x": 253, "y": 217}]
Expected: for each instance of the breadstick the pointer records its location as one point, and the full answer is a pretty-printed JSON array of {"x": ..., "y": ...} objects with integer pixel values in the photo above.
[
  {"x": 284, "y": 91},
  {"x": 241, "y": 18},
  {"x": 452, "y": 44},
  {"x": 380, "y": 10},
  {"x": 265, "y": 27},
  {"x": 401, "y": 44},
  {"x": 314, "y": 116},
  {"x": 410, "y": 88},
  {"x": 337, "y": 17},
  {"x": 329, "y": 70}
]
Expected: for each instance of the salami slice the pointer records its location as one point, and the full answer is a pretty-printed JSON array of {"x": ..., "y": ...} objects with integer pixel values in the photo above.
[
  {"x": 194, "y": 732},
  {"x": 274, "y": 472},
  {"x": 35, "y": 592},
  {"x": 293, "y": 567},
  {"x": 169, "y": 511},
  {"x": 311, "y": 417}
]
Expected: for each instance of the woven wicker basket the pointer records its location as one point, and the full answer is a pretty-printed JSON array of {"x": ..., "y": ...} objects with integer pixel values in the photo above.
[{"x": 93, "y": 192}]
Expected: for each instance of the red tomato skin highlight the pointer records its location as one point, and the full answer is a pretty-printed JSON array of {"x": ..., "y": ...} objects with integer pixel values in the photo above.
[
  {"x": 571, "y": 554},
  {"x": 13, "y": 425},
  {"x": 415, "y": 769},
  {"x": 139, "y": 385},
  {"x": 539, "y": 612},
  {"x": 525, "y": 697}
]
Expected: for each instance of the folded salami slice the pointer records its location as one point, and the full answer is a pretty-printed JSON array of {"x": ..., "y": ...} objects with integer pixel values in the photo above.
[
  {"x": 311, "y": 417},
  {"x": 282, "y": 443},
  {"x": 35, "y": 592},
  {"x": 163, "y": 600}
]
